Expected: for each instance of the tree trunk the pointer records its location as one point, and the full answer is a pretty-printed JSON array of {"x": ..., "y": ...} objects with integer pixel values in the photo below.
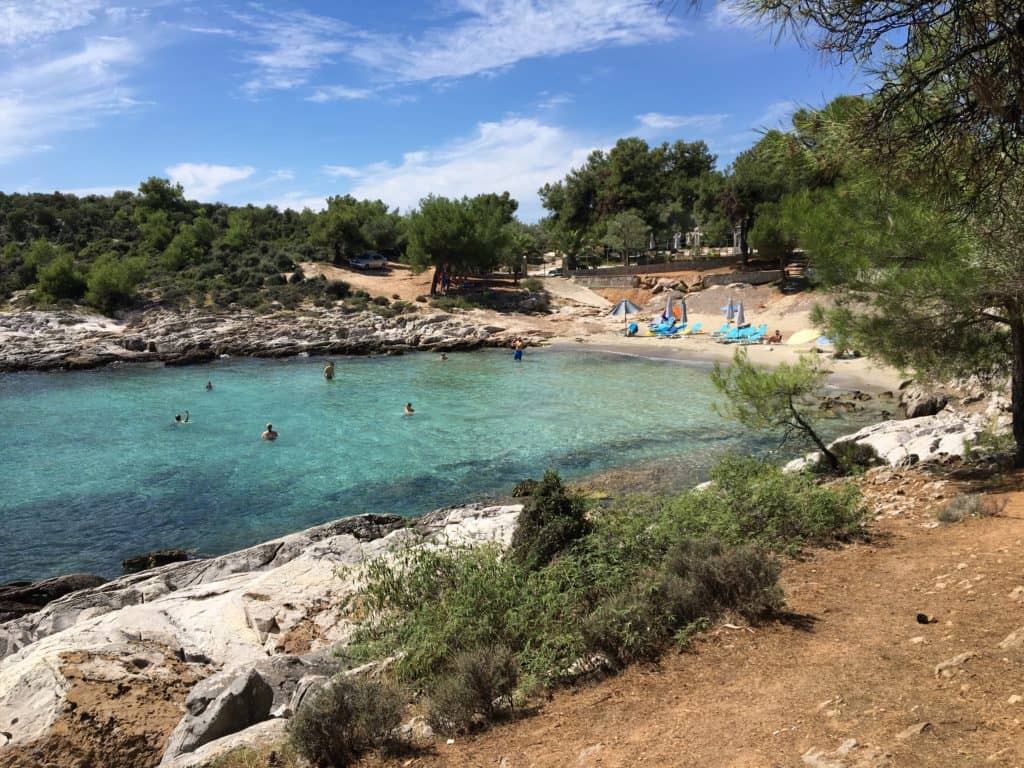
[
  {"x": 438, "y": 269},
  {"x": 1017, "y": 385},
  {"x": 337, "y": 253},
  {"x": 830, "y": 457}
]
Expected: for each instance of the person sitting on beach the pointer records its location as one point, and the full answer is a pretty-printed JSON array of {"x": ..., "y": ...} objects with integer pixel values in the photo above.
[
  {"x": 269, "y": 433},
  {"x": 775, "y": 338},
  {"x": 329, "y": 371},
  {"x": 209, "y": 386},
  {"x": 409, "y": 409}
]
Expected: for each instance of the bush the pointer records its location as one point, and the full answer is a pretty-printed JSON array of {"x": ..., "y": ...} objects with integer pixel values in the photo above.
[
  {"x": 533, "y": 285},
  {"x": 551, "y": 520},
  {"x": 112, "y": 282},
  {"x": 345, "y": 718},
  {"x": 476, "y": 687},
  {"x": 970, "y": 505},
  {"x": 60, "y": 280},
  {"x": 448, "y": 303},
  {"x": 381, "y": 301},
  {"x": 750, "y": 500},
  {"x": 854, "y": 459},
  {"x": 524, "y": 488},
  {"x": 337, "y": 289}
]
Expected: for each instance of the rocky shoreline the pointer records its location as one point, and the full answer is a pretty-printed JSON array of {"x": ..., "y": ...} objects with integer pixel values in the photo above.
[{"x": 65, "y": 340}]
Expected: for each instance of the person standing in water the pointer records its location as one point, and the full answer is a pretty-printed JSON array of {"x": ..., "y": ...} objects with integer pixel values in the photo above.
[
  {"x": 408, "y": 409},
  {"x": 269, "y": 433},
  {"x": 517, "y": 345},
  {"x": 209, "y": 386},
  {"x": 329, "y": 371}
]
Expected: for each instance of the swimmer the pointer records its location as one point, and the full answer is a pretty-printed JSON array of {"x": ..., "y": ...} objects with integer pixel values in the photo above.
[
  {"x": 209, "y": 386},
  {"x": 444, "y": 357},
  {"x": 186, "y": 418},
  {"x": 329, "y": 371},
  {"x": 177, "y": 418},
  {"x": 269, "y": 434},
  {"x": 408, "y": 409}
]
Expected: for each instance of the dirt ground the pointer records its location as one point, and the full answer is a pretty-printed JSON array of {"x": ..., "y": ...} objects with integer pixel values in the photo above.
[{"x": 850, "y": 662}]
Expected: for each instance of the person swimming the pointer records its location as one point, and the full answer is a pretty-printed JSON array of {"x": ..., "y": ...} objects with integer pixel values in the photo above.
[
  {"x": 409, "y": 409},
  {"x": 209, "y": 386},
  {"x": 177, "y": 418},
  {"x": 444, "y": 357},
  {"x": 329, "y": 371},
  {"x": 269, "y": 434}
]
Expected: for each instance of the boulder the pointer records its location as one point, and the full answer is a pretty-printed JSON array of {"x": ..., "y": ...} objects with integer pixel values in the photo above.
[
  {"x": 916, "y": 401},
  {"x": 153, "y": 560}
]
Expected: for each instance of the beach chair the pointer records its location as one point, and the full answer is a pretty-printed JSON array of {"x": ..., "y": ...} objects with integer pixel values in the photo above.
[
  {"x": 670, "y": 332},
  {"x": 726, "y": 327},
  {"x": 691, "y": 329},
  {"x": 756, "y": 336},
  {"x": 734, "y": 335}
]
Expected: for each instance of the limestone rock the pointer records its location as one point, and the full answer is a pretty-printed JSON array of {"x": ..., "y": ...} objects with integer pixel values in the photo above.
[
  {"x": 916, "y": 401},
  {"x": 21, "y": 598},
  {"x": 949, "y": 667},
  {"x": 1013, "y": 641}
]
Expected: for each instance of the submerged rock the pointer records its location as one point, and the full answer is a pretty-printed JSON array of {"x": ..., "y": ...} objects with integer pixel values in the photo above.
[{"x": 153, "y": 560}]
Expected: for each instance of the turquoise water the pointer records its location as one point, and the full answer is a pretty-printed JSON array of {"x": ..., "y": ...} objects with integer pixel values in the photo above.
[{"x": 93, "y": 469}]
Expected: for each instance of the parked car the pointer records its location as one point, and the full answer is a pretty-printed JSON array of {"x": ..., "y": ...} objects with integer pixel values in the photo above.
[
  {"x": 369, "y": 261},
  {"x": 554, "y": 273}
]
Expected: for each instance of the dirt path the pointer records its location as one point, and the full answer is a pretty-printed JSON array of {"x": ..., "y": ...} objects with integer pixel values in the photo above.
[{"x": 853, "y": 663}]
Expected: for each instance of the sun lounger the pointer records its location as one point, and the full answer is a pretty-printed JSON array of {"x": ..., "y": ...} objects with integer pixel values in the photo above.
[
  {"x": 755, "y": 337},
  {"x": 691, "y": 329},
  {"x": 726, "y": 327}
]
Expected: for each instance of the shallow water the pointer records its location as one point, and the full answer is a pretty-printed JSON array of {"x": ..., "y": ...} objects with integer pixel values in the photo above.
[{"x": 93, "y": 469}]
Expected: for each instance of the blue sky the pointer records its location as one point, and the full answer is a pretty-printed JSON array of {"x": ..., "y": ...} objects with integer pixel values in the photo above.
[{"x": 288, "y": 102}]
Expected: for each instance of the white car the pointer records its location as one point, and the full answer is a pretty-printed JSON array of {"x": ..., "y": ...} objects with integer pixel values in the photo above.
[{"x": 369, "y": 261}]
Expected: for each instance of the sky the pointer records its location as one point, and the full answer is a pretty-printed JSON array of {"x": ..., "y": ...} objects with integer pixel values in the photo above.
[{"x": 286, "y": 103}]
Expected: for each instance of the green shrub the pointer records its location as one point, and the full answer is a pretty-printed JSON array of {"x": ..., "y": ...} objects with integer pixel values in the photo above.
[
  {"x": 448, "y": 303},
  {"x": 970, "y": 505},
  {"x": 112, "y": 282},
  {"x": 61, "y": 280},
  {"x": 551, "y": 520},
  {"x": 854, "y": 459},
  {"x": 475, "y": 688},
  {"x": 752, "y": 500},
  {"x": 345, "y": 718},
  {"x": 533, "y": 285},
  {"x": 381, "y": 301},
  {"x": 524, "y": 488},
  {"x": 337, "y": 289}
]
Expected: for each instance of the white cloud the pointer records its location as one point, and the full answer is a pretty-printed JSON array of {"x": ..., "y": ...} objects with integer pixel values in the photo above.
[
  {"x": 728, "y": 15},
  {"x": 296, "y": 201},
  {"x": 293, "y": 45},
  {"x": 29, "y": 21},
  {"x": 659, "y": 121},
  {"x": 202, "y": 181},
  {"x": 342, "y": 170},
  {"x": 776, "y": 115},
  {"x": 553, "y": 100},
  {"x": 498, "y": 33},
  {"x": 338, "y": 92},
  {"x": 62, "y": 94},
  {"x": 516, "y": 154}
]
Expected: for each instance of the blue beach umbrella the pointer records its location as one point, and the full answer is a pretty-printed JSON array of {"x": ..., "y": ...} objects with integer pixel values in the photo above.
[{"x": 741, "y": 319}]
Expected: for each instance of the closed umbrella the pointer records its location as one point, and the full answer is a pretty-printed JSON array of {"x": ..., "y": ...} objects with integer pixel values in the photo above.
[
  {"x": 623, "y": 309},
  {"x": 740, "y": 317},
  {"x": 730, "y": 310},
  {"x": 668, "y": 308},
  {"x": 682, "y": 310}
]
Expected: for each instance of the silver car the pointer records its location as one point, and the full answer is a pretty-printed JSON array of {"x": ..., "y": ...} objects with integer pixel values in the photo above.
[{"x": 369, "y": 260}]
